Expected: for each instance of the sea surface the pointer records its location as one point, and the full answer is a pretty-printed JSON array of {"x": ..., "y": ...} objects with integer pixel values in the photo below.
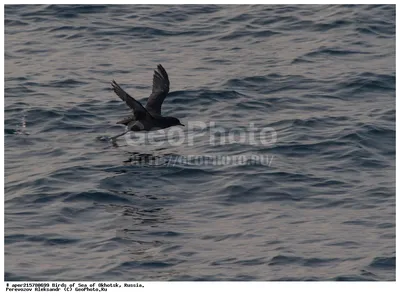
[{"x": 312, "y": 197}]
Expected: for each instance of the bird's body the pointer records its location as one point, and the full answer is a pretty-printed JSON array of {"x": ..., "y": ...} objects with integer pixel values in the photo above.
[{"x": 147, "y": 118}]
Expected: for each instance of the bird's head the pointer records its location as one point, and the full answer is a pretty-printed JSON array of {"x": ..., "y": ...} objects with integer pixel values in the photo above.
[
  {"x": 171, "y": 121},
  {"x": 175, "y": 121}
]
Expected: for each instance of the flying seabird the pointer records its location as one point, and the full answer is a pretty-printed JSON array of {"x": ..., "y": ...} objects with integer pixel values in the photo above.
[{"x": 147, "y": 118}]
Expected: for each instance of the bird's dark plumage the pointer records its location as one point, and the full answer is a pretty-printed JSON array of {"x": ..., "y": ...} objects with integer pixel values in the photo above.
[
  {"x": 159, "y": 91},
  {"x": 138, "y": 110},
  {"x": 149, "y": 117}
]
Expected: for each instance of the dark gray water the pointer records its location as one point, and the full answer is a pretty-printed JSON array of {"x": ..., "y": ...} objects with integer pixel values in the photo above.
[{"x": 79, "y": 208}]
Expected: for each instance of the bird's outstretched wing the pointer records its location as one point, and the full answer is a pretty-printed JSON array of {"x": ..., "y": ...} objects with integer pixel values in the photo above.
[
  {"x": 159, "y": 92},
  {"x": 138, "y": 110}
]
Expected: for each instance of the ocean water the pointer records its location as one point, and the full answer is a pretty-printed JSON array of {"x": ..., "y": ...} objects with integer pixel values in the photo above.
[{"x": 322, "y": 78}]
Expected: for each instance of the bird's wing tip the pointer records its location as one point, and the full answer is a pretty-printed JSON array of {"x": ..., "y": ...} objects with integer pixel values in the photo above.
[{"x": 114, "y": 84}]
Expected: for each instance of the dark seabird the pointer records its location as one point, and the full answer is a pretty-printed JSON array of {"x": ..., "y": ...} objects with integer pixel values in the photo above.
[{"x": 147, "y": 118}]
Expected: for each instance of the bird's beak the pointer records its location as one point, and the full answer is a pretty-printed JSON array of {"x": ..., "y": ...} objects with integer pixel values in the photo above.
[{"x": 181, "y": 124}]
